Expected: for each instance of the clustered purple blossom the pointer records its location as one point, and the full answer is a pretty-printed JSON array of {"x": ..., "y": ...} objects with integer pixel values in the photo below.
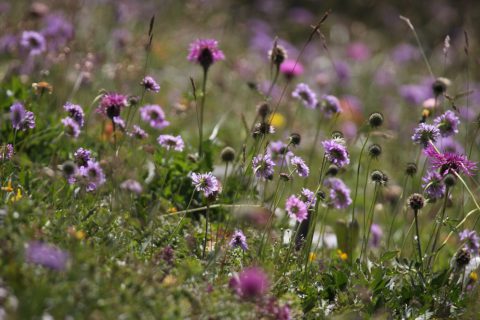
[
  {"x": 75, "y": 112},
  {"x": 339, "y": 193},
  {"x": 46, "y": 255},
  {"x": 447, "y": 123},
  {"x": 330, "y": 105},
  {"x": 449, "y": 162},
  {"x": 239, "y": 240},
  {"x": 119, "y": 122},
  {"x": 138, "y": 133},
  {"x": 90, "y": 173},
  {"x": 33, "y": 42},
  {"x": 150, "y": 84},
  {"x": 21, "y": 118},
  {"x": 263, "y": 166},
  {"x": 58, "y": 31},
  {"x": 132, "y": 186},
  {"x": 433, "y": 185},
  {"x": 252, "y": 283},
  {"x": 336, "y": 152},
  {"x": 71, "y": 127},
  {"x": 308, "y": 197},
  {"x": 205, "y": 52},
  {"x": 6, "y": 152},
  {"x": 206, "y": 183},
  {"x": 278, "y": 151},
  {"x": 300, "y": 166},
  {"x": 296, "y": 208},
  {"x": 171, "y": 142},
  {"x": 377, "y": 234},
  {"x": 471, "y": 240},
  {"x": 154, "y": 115},
  {"x": 112, "y": 104},
  {"x": 303, "y": 93},
  {"x": 425, "y": 133}
]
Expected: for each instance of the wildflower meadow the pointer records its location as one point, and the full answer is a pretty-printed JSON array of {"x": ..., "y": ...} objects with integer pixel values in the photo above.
[{"x": 222, "y": 159}]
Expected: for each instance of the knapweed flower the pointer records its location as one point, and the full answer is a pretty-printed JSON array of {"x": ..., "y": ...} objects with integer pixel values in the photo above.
[
  {"x": 82, "y": 156},
  {"x": 150, "y": 84},
  {"x": 339, "y": 193},
  {"x": 206, "y": 183},
  {"x": 330, "y": 105},
  {"x": 303, "y": 93},
  {"x": 132, "y": 186},
  {"x": 154, "y": 115},
  {"x": 112, "y": 104},
  {"x": 336, "y": 152},
  {"x": 300, "y": 166},
  {"x": 433, "y": 185},
  {"x": 296, "y": 208},
  {"x": 447, "y": 123},
  {"x": 251, "y": 283},
  {"x": 75, "y": 112},
  {"x": 171, "y": 142},
  {"x": 6, "y": 152},
  {"x": 263, "y": 166},
  {"x": 21, "y": 118},
  {"x": 377, "y": 234},
  {"x": 449, "y": 162},
  {"x": 93, "y": 175},
  {"x": 471, "y": 240},
  {"x": 46, "y": 255},
  {"x": 291, "y": 69},
  {"x": 138, "y": 133},
  {"x": 205, "y": 52},
  {"x": 308, "y": 196},
  {"x": 71, "y": 127},
  {"x": 425, "y": 133},
  {"x": 278, "y": 151},
  {"x": 34, "y": 42},
  {"x": 239, "y": 240}
]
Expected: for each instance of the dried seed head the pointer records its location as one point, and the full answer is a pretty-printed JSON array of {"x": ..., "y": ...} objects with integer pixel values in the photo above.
[
  {"x": 440, "y": 86},
  {"x": 450, "y": 180},
  {"x": 377, "y": 176},
  {"x": 462, "y": 258},
  {"x": 228, "y": 154},
  {"x": 332, "y": 170},
  {"x": 375, "y": 120},
  {"x": 277, "y": 55},
  {"x": 337, "y": 135},
  {"x": 374, "y": 150},
  {"x": 416, "y": 201},
  {"x": 69, "y": 168},
  {"x": 295, "y": 139},
  {"x": 411, "y": 169}
]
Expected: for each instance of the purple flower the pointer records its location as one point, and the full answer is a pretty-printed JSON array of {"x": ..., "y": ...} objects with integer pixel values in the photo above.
[
  {"x": 251, "y": 283},
  {"x": 308, "y": 197},
  {"x": 425, "y": 133},
  {"x": 447, "y": 123},
  {"x": 93, "y": 175},
  {"x": 405, "y": 52},
  {"x": 138, "y": 133},
  {"x": 82, "y": 156},
  {"x": 34, "y": 42},
  {"x": 343, "y": 71},
  {"x": 205, "y": 52},
  {"x": 291, "y": 69},
  {"x": 303, "y": 93},
  {"x": 239, "y": 240},
  {"x": 171, "y": 142},
  {"x": 154, "y": 115},
  {"x": 71, "y": 127},
  {"x": 450, "y": 145},
  {"x": 206, "y": 183},
  {"x": 132, "y": 186},
  {"x": 415, "y": 94},
  {"x": 119, "y": 122},
  {"x": 433, "y": 185},
  {"x": 46, "y": 255},
  {"x": 450, "y": 162},
  {"x": 112, "y": 104},
  {"x": 278, "y": 151},
  {"x": 339, "y": 193},
  {"x": 6, "y": 152},
  {"x": 377, "y": 234},
  {"x": 263, "y": 166},
  {"x": 75, "y": 112},
  {"x": 300, "y": 166},
  {"x": 330, "y": 105},
  {"x": 471, "y": 240},
  {"x": 58, "y": 31},
  {"x": 358, "y": 51},
  {"x": 150, "y": 84},
  {"x": 296, "y": 208},
  {"x": 21, "y": 118},
  {"x": 336, "y": 152}
]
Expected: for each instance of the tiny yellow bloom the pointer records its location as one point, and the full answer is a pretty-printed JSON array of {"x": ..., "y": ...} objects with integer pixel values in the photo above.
[
  {"x": 169, "y": 280},
  {"x": 80, "y": 234},
  {"x": 172, "y": 210},
  {"x": 312, "y": 256},
  {"x": 8, "y": 188},
  {"x": 473, "y": 276},
  {"x": 342, "y": 255},
  {"x": 277, "y": 120},
  {"x": 18, "y": 196}
]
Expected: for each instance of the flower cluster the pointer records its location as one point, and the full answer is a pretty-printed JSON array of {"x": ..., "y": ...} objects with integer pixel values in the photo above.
[
  {"x": 303, "y": 93},
  {"x": 21, "y": 118},
  {"x": 89, "y": 173},
  {"x": 75, "y": 119},
  {"x": 263, "y": 166},
  {"x": 336, "y": 152},
  {"x": 154, "y": 115},
  {"x": 339, "y": 193},
  {"x": 206, "y": 183}
]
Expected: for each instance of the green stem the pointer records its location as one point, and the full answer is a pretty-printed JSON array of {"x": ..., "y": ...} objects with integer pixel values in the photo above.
[{"x": 202, "y": 107}]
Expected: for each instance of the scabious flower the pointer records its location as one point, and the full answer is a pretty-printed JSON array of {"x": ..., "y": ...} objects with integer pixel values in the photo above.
[
  {"x": 433, "y": 185},
  {"x": 278, "y": 151},
  {"x": 425, "y": 133},
  {"x": 171, "y": 142},
  {"x": 239, "y": 240},
  {"x": 93, "y": 175},
  {"x": 82, "y": 156},
  {"x": 138, "y": 133},
  {"x": 300, "y": 166},
  {"x": 132, "y": 186},
  {"x": 46, "y": 255},
  {"x": 119, "y": 122},
  {"x": 75, "y": 112},
  {"x": 296, "y": 208},
  {"x": 34, "y": 42},
  {"x": 449, "y": 162},
  {"x": 291, "y": 69},
  {"x": 377, "y": 234},
  {"x": 206, "y": 183},
  {"x": 112, "y": 104},
  {"x": 205, "y": 52},
  {"x": 330, "y": 105},
  {"x": 21, "y": 118},
  {"x": 339, "y": 193},
  {"x": 471, "y": 240},
  {"x": 6, "y": 152},
  {"x": 263, "y": 166},
  {"x": 308, "y": 196},
  {"x": 71, "y": 127},
  {"x": 251, "y": 283},
  {"x": 150, "y": 84},
  {"x": 58, "y": 31},
  {"x": 154, "y": 115},
  {"x": 336, "y": 152},
  {"x": 303, "y": 93},
  {"x": 447, "y": 123}
]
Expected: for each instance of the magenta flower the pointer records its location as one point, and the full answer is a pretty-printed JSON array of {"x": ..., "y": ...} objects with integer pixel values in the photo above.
[
  {"x": 112, "y": 104},
  {"x": 150, "y": 84},
  {"x": 239, "y": 240},
  {"x": 449, "y": 162},
  {"x": 251, "y": 283},
  {"x": 290, "y": 69},
  {"x": 205, "y": 52},
  {"x": 300, "y": 166},
  {"x": 171, "y": 142},
  {"x": 154, "y": 115},
  {"x": 206, "y": 183},
  {"x": 296, "y": 208},
  {"x": 46, "y": 255}
]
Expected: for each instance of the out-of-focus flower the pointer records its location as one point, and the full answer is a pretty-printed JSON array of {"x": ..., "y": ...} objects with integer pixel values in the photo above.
[
  {"x": 308, "y": 196},
  {"x": 296, "y": 208},
  {"x": 278, "y": 151},
  {"x": 415, "y": 94},
  {"x": 46, "y": 255},
  {"x": 425, "y": 133},
  {"x": 358, "y": 51},
  {"x": 450, "y": 162},
  {"x": 6, "y": 152},
  {"x": 251, "y": 283},
  {"x": 71, "y": 127},
  {"x": 21, "y": 118},
  {"x": 33, "y": 42},
  {"x": 471, "y": 240},
  {"x": 82, "y": 156},
  {"x": 239, "y": 240},
  {"x": 342, "y": 255},
  {"x": 339, "y": 193},
  {"x": 112, "y": 104},
  {"x": 263, "y": 166},
  {"x": 405, "y": 52},
  {"x": 138, "y": 133},
  {"x": 330, "y": 105},
  {"x": 291, "y": 69},
  {"x": 300, "y": 166},
  {"x": 206, "y": 183},
  {"x": 303, "y": 93},
  {"x": 433, "y": 185},
  {"x": 150, "y": 84},
  {"x": 8, "y": 187},
  {"x": 154, "y": 115},
  {"x": 42, "y": 87},
  {"x": 343, "y": 71},
  {"x": 93, "y": 175},
  {"x": 447, "y": 123},
  {"x": 132, "y": 186},
  {"x": 205, "y": 52},
  {"x": 336, "y": 152},
  {"x": 75, "y": 112},
  {"x": 58, "y": 31},
  {"x": 377, "y": 234},
  {"x": 171, "y": 142}
]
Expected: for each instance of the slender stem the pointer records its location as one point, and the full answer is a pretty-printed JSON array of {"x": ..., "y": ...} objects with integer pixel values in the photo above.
[
  {"x": 202, "y": 107},
  {"x": 206, "y": 232},
  {"x": 358, "y": 176},
  {"x": 438, "y": 227},
  {"x": 395, "y": 212},
  {"x": 419, "y": 246},
  {"x": 369, "y": 222}
]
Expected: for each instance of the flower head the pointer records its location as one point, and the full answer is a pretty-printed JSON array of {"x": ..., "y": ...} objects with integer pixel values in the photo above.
[
  {"x": 449, "y": 162},
  {"x": 471, "y": 240},
  {"x": 112, "y": 104},
  {"x": 75, "y": 112},
  {"x": 263, "y": 166},
  {"x": 300, "y": 166},
  {"x": 433, "y": 185},
  {"x": 308, "y": 196},
  {"x": 138, "y": 133},
  {"x": 34, "y": 42},
  {"x": 330, "y": 105},
  {"x": 239, "y": 240},
  {"x": 206, "y": 183},
  {"x": 425, "y": 133},
  {"x": 339, "y": 193},
  {"x": 71, "y": 127},
  {"x": 336, "y": 152},
  {"x": 93, "y": 175},
  {"x": 447, "y": 123},
  {"x": 132, "y": 186},
  {"x": 303, "y": 93},
  {"x": 291, "y": 68},
  {"x": 377, "y": 234},
  {"x": 171, "y": 142},
  {"x": 150, "y": 84},
  {"x": 154, "y": 115},
  {"x": 296, "y": 208},
  {"x": 82, "y": 156},
  {"x": 278, "y": 151},
  {"x": 6, "y": 152},
  {"x": 46, "y": 255},
  {"x": 251, "y": 283},
  {"x": 21, "y": 118},
  {"x": 205, "y": 52}
]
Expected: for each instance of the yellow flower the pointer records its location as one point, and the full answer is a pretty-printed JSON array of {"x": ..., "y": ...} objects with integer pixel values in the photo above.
[
  {"x": 277, "y": 120},
  {"x": 342, "y": 255},
  {"x": 169, "y": 280},
  {"x": 8, "y": 188},
  {"x": 312, "y": 256},
  {"x": 172, "y": 210},
  {"x": 473, "y": 276},
  {"x": 18, "y": 196}
]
